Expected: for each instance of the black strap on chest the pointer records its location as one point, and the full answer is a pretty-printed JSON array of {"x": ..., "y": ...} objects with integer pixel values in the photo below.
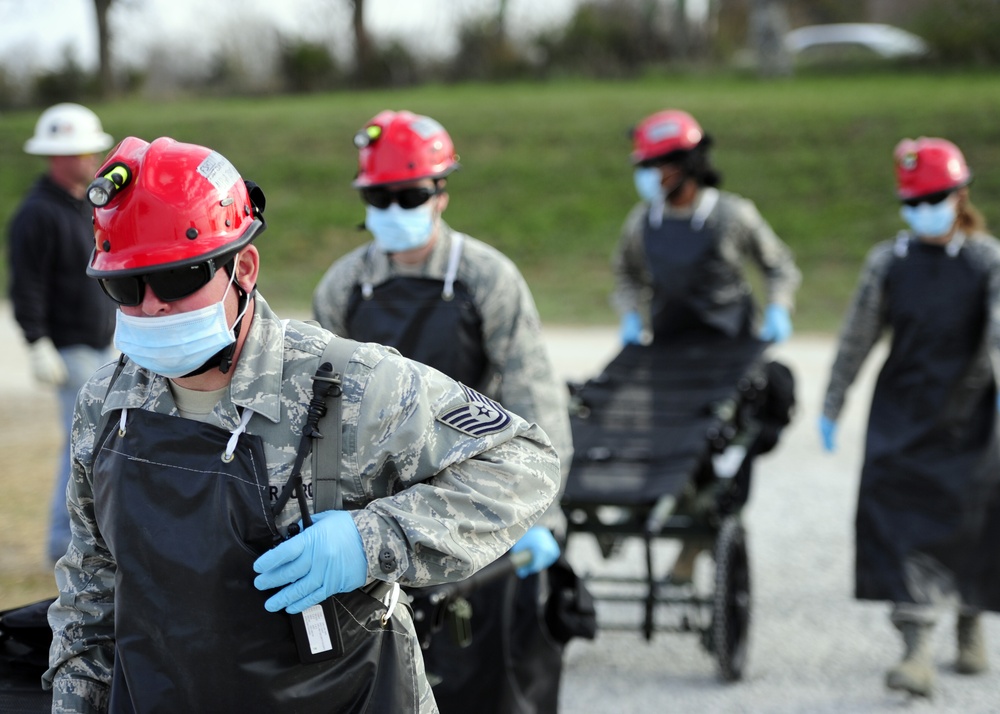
[
  {"x": 326, "y": 452},
  {"x": 321, "y": 435}
]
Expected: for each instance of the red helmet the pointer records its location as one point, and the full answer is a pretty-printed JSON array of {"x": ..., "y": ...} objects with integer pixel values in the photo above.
[
  {"x": 664, "y": 133},
  {"x": 398, "y": 147},
  {"x": 927, "y": 166},
  {"x": 172, "y": 204}
]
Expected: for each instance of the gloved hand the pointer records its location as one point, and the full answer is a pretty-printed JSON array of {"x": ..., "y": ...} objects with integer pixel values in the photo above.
[
  {"x": 777, "y": 325},
  {"x": 324, "y": 559},
  {"x": 46, "y": 363},
  {"x": 631, "y": 328},
  {"x": 828, "y": 433},
  {"x": 543, "y": 547}
]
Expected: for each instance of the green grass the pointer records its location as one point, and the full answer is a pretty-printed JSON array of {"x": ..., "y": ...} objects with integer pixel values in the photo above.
[{"x": 545, "y": 173}]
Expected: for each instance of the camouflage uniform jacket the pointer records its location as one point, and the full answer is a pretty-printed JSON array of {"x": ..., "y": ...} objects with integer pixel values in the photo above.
[
  {"x": 743, "y": 235},
  {"x": 520, "y": 374},
  {"x": 443, "y": 502},
  {"x": 866, "y": 317}
]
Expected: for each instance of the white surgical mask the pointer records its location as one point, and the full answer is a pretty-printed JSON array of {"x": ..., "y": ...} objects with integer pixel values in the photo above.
[
  {"x": 175, "y": 345},
  {"x": 648, "y": 184},
  {"x": 931, "y": 219},
  {"x": 400, "y": 229}
]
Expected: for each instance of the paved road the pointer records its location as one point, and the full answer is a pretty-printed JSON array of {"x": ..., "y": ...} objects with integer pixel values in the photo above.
[{"x": 813, "y": 649}]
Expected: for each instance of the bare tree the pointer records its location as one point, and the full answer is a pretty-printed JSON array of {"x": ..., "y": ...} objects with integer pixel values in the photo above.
[
  {"x": 768, "y": 26},
  {"x": 105, "y": 75},
  {"x": 501, "y": 21},
  {"x": 362, "y": 43}
]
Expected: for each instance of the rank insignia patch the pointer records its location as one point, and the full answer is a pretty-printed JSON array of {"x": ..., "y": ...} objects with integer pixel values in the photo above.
[{"x": 479, "y": 416}]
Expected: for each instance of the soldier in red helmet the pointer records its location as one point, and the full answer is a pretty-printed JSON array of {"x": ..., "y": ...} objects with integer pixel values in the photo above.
[
  {"x": 679, "y": 263},
  {"x": 928, "y": 515},
  {"x": 459, "y": 305},
  {"x": 194, "y": 582}
]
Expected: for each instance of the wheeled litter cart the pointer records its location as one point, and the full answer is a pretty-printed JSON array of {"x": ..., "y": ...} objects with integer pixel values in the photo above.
[{"x": 664, "y": 439}]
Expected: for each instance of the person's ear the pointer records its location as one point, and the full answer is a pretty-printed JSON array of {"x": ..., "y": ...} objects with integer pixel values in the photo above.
[{"x": 246, "y": 268}]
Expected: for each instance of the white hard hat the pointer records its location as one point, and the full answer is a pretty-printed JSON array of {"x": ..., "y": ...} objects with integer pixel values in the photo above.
[{"x": 68, "y": 130}]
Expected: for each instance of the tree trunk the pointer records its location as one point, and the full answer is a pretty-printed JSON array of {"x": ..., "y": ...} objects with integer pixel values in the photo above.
[
  {"x": 768, "y": 26},
  {"x": 362, "y": 46},
  {"x": 105, "y": 75}
]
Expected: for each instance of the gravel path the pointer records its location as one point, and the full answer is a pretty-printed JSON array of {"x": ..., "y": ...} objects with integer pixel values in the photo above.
[{"x": 812, "y": 648}]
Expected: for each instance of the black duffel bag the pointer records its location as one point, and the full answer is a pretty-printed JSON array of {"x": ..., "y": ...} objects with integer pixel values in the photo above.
[{"x": 24, "y": 656}]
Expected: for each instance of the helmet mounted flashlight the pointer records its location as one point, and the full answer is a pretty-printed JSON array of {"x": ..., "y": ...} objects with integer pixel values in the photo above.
[{"x": 104, "y": 187}]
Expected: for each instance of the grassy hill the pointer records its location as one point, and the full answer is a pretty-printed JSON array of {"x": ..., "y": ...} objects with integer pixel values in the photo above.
[{"x": 545, "y": 173}]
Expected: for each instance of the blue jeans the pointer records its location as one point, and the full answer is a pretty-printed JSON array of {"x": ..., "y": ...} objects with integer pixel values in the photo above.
[{"x": 81, "y": 362}]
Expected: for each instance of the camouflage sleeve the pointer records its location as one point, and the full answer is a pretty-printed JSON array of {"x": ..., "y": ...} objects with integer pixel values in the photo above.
[
  {"x": 331, "y": 296},
  {"x": 769, "y": 253},
  {"x": 442, "y": 503},
  {"x": 81, "y": 657},
  {"x": 862, "y": 328},
  {"x": 632, "y": 280}
]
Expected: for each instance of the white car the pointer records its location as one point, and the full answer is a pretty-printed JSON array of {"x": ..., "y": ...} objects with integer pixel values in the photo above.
[{"x": 885, "y": 40}]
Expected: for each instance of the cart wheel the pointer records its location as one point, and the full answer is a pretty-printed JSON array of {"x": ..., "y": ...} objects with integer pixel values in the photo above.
[{"x": 731, "y": 600}]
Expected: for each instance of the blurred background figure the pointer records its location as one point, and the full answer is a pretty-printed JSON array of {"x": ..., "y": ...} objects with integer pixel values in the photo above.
[
  {"x": 928, "y": 516},
  {"x": 678, "y": 264},
  {"x": 66, "y": 319},
  {"x": 452, "y": 302},
  {"x": 679, "y": 261}
]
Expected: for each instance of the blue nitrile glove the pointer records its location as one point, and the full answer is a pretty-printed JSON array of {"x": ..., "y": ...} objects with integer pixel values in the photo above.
[
  {"x": 777, "y": 324},
  {"x": 631, "y": 328},
  {"x": 324, "y": 559},
  {"x": 828, "y": 432},
  {"x": 543, "y": 547}
]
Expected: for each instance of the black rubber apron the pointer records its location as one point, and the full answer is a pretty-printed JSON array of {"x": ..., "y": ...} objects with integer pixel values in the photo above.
[
  {"x": 430, "y": 320},
  {"x": 191, "y": 632},
  {"x": 688, "y": 276},
  {"x": 929, "y": 485},
  {"x": 513, "y": 665}
]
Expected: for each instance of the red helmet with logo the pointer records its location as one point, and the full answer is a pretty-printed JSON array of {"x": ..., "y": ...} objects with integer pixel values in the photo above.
[
  {"x": 927, "y": 166},
  {"x": 664, "y": 133},
  {"x": 170, "y": 205},
  {"x": 398, "y": 147}
]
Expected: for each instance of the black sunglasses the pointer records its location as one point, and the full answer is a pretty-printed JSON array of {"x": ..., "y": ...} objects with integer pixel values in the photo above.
[
  {"x": 168, "y": 285},
  {"x": 931, "y": 198},
  {"x": 381, "y": 197}
]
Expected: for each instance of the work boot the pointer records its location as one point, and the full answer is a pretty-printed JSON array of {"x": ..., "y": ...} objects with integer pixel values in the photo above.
[
  {"x": 971, "y": 647},
  {"x": 915, "y": 673},
  {"x": 682, "y": 572}
]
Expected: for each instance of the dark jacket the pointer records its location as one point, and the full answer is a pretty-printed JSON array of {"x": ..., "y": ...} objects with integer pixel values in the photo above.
[{"x": 50, "y": 240}]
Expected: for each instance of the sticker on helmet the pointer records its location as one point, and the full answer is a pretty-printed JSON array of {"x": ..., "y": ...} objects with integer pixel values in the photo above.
[
  {"x": 909, "y": 161},
  {"x": 425, "y": 127},
  {"x": 220, "y": 173},
  {"x": 480, "y": 416},
  {"x": 664, "y": 130}
]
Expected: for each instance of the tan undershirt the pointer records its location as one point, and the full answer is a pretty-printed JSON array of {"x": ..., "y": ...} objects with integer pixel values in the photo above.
[{"x": 193, "y": 404}]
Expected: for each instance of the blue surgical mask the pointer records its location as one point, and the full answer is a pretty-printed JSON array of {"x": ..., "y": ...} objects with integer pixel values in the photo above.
[
  {"x": 399, "y": 229},
  {"x": 930, "y": 219},
  {"x": 648, "y": 184},
  {"x": 175, "y": 345}
]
